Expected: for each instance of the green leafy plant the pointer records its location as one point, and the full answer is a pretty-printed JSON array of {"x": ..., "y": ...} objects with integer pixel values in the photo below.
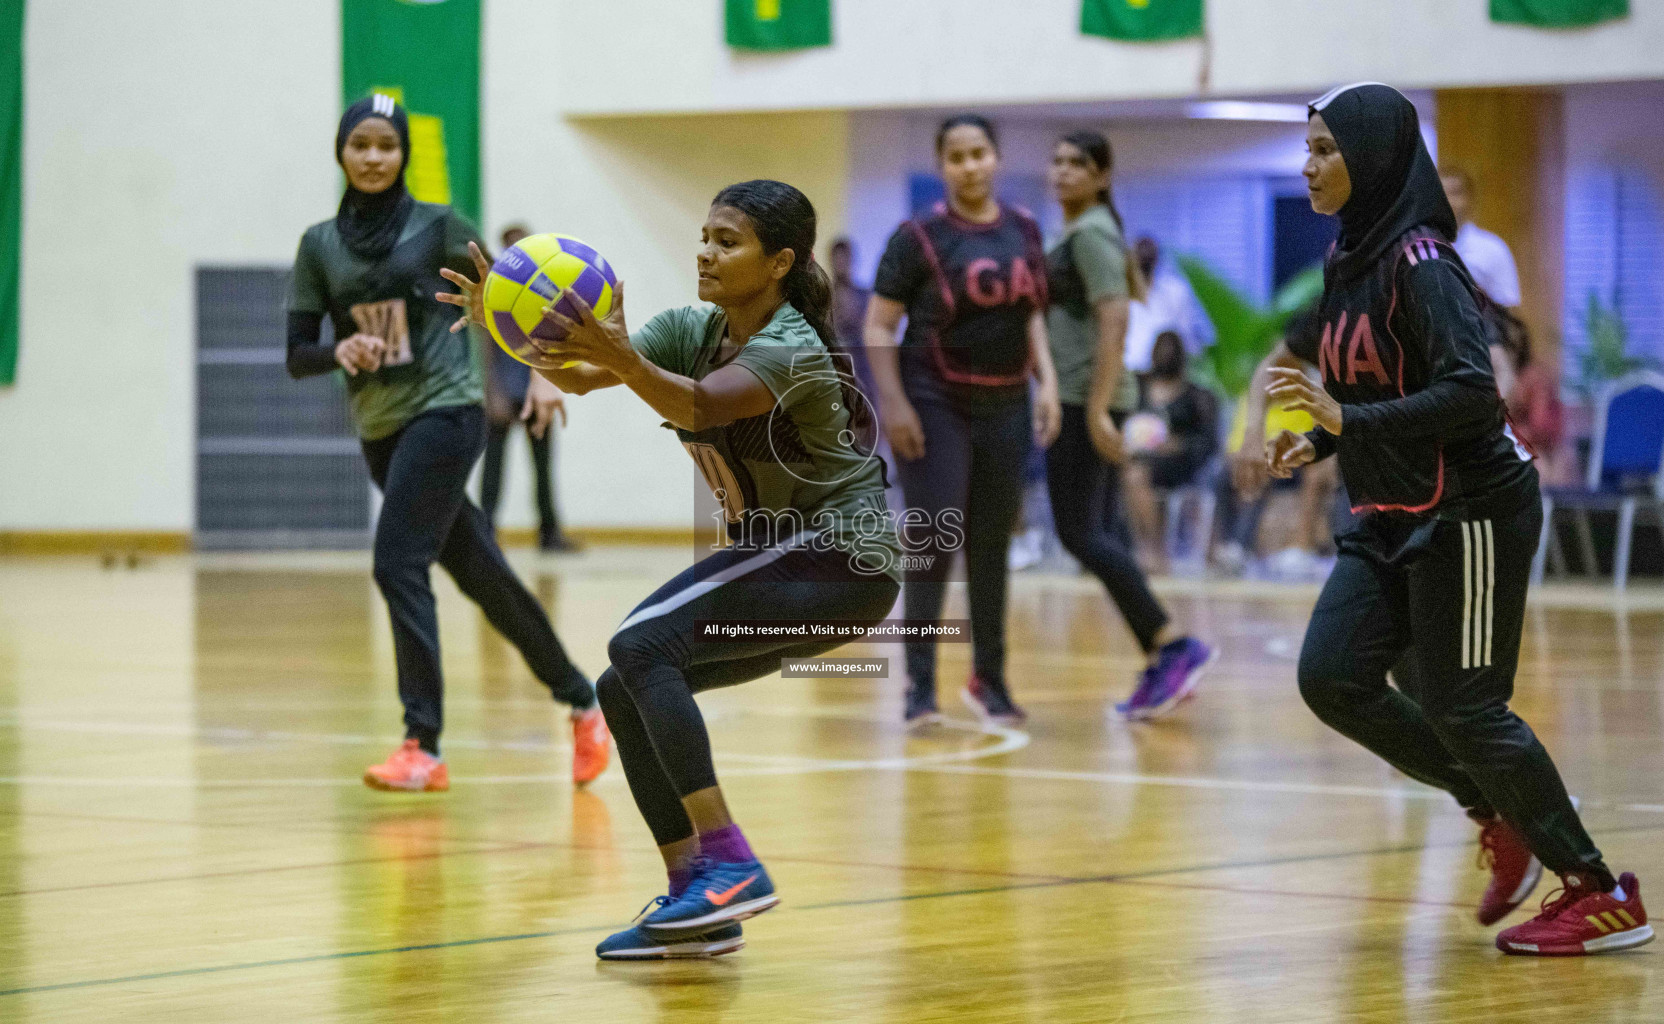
[
  {"x": 1605, "y": 357},
  {"x": 1243, "y": 331}
]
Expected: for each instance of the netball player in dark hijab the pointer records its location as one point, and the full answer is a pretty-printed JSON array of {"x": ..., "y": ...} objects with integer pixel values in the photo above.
[
  {"x": 1431, "y": 582},
  {"x": 415, "y": 391}
]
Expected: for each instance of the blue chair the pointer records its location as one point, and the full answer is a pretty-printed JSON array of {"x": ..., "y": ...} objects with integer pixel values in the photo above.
[{"x": 1626, "y": 471}]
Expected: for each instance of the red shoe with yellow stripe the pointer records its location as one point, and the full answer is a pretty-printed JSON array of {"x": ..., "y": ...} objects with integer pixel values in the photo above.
[{"x": 1581, "y": 920}]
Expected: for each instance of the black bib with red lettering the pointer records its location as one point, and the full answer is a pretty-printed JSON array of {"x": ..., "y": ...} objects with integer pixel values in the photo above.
[
  {"x": 1385, "y": 335},
  {"x": 968, "y": 319}
]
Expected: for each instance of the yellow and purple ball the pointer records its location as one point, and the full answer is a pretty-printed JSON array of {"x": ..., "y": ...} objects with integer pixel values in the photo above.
[{"x": 535, "y": 272}]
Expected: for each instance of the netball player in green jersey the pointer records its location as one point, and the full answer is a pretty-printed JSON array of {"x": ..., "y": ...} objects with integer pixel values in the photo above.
[
  {"x": 752, "y": 386},
  {"x": 373, "y": 271}
]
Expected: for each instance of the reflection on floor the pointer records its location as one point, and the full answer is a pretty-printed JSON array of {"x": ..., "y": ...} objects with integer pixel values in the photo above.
[{"x": 183, "y": 836}]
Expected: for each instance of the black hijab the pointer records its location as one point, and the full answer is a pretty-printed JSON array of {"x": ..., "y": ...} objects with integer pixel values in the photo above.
[
  {"x": 370, "y": 223},
  {"x": 1395, "y": 186}
]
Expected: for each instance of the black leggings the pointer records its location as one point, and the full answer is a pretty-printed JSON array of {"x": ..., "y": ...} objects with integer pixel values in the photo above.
[
  {"x": 1441, "y": 603},
  {"x": 491, "y": 476},
  {"x": 426, "y": 517},
  {"x": 969, "y": 488},
  {"x": 1081, "y": 485},
  {"x": 659, "y": 662}
]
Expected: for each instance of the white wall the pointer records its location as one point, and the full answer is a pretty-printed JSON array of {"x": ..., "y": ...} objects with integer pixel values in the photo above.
[
  {"x": 933, "y": 52},
  {"x": 157, "y": 143},
  {"x": 159, "y": 139},
  {"x": 156, "y": 137},
  {"x": 637, "y": 190}
]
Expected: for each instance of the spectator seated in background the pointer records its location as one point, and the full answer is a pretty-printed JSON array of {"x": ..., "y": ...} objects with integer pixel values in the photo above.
[
  {"x": 1532, "y": 396},
  {"x": 1247, "y": 489},
  {"x": 1170, "y": 439}
]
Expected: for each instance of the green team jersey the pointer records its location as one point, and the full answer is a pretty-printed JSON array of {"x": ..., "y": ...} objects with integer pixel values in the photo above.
[
  {"x": 427, "y": 367},
  {"x": 1087, "y": 265},
  {"x": 797, "y": 463}
]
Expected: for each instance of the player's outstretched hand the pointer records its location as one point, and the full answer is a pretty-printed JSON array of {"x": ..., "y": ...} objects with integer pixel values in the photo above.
[
  {"x": 1292, "y": 389},
  {"x": 472, "y": 295},
  {"x": 603, "y": 342},
  {"x": 1287, "y": 452}
]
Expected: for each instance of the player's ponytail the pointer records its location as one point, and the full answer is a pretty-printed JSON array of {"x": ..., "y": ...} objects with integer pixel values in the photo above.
[
  {"x": 1097, "y": 150},
  {"x": 784, "y": 218}
]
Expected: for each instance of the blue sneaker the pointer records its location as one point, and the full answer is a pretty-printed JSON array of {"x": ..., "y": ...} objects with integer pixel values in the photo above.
[
  {"x": 1169, "y": 681},
  {"x": 719, "y": 894},
  {"x": 634, "y": 943}
]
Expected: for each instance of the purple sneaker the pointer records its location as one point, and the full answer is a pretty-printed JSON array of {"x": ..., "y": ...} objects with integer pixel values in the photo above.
[{"x": 1169, "y": 681}]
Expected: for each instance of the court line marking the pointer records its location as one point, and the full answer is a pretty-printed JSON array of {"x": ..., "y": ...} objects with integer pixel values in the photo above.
[
  {"x": 942, "y": 762},
  {"x": 1131, "y": 878},
  {"x": 1006, "y": 741},
  {"x": 289, "y": 961}
]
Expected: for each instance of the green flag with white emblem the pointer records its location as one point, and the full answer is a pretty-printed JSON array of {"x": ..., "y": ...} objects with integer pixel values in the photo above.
[
  {"x": 1141, "y": 21},
  {"x": 1558, "y": 13},
  {"x": 779, "y": 24},
  {"x": 426, "y": 55}
]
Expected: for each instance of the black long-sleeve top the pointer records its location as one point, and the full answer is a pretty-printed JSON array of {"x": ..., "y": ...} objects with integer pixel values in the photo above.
[
  {"x": 1406, "y": 352},
  {"x": 305, "y": 357}
]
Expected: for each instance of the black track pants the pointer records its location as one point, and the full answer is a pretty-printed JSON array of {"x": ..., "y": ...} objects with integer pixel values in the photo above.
[{"x": 1448, "y": 597}]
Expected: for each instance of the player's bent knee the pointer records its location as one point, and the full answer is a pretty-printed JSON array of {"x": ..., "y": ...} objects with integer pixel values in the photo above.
[
  {"x": 631, "y": 651},
  {"x": 610, "y": 692},
  {"x": 391, "y": 571},
  {"x": 1321, "y": 686}
]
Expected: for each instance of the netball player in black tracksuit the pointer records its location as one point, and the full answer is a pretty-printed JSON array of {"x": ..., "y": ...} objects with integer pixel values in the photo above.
[
  {"x": 1431, "y": 583},
  {"x": 954, "y": 399},
  {"x": 414, "y": 386}
]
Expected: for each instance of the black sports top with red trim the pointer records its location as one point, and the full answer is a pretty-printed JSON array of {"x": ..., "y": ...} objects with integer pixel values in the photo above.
[
  {"x": 1405, "y": 349},
  {"x": 970, "y": 290}
]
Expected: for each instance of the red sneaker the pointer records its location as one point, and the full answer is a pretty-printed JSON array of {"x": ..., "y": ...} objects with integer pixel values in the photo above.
[
  {"x": 990, "y": 701},
  {"x": 1514, "y": 870},
  {"x": 591, "y": 745},
  {"x": 1579, "y": 921},
  {"x": 411, "y": 769}
]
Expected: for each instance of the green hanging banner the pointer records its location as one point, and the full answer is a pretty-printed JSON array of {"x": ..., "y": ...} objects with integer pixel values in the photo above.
[
  {"x": 779, "y": 24},
  {"x": 1141, "y": 21},
  {"x": 11, "y": 181},
  {"x": 1558, "y": 13},
  {"x": 426, "y": 55}
]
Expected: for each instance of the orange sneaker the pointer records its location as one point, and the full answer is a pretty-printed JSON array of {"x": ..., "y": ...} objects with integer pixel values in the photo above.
[
  {"x": 411, "y": 769},
  {"x": 591, "y": 745}
]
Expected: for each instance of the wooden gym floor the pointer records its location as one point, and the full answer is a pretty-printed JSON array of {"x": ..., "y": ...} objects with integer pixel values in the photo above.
[{"x": 183, "y": 836}]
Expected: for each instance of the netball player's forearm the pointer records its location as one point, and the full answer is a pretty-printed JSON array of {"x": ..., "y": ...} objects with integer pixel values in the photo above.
[
  {"x": 676, "y": 398},
  {"x": 1040, "y": 350},
  {"x": 1443, "y": 407},
  {"x": 304, "y": 356},
  {"x": 1110, "y": 361},
  {"x": 884, "y": 359},
  {"x": 580, "y": 380},
  {"x": 1255, "y": 408},
  {"x": 1323, "y": 443}
]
